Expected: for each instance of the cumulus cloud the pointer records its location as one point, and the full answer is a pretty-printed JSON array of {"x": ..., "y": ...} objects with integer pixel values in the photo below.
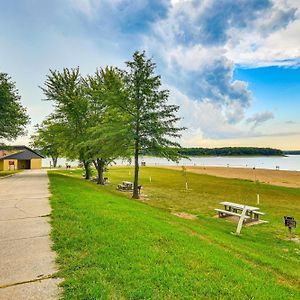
[
  {"x": 260, "y": 118},
  {"x": 209, "y": 79},
  {"x": 122, "y": 16},
  {"x": 197, "y": 44},
  {"x": 273, "y": 41},
  {"x": 209, "y": 22},
  {"x": 203, "y": 118}
]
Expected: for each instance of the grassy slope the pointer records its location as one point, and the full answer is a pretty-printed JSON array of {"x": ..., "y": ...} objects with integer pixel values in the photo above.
[
  {"x": 111, "y": 247},
  {"x": 5, "y": 173}
]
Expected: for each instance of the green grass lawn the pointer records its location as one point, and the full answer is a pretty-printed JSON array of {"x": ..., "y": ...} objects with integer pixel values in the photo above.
[
  {"x": 112, "y": 247},
  {"x": 6, "y": 173}
]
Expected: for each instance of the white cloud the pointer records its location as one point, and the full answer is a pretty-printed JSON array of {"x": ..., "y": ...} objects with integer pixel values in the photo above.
[
  {"x": 256, "y": 48},
  {"x": 208, "y": 126},
  {"x": 193, "y": 58},
  {"x": 87, "y": 7},
  {"x": 251, "y": 34},
  {"x": 205, "y": 118},
  {"x": 260, "y": 118}
]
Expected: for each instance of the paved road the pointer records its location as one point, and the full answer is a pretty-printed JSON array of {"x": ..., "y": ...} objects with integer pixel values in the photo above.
[{"x": 26, "y": 258}]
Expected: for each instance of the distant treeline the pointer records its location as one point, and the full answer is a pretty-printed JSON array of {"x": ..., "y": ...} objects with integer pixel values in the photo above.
[
  {"x": 231, "y": 151},
  {"x": 291, "y": 152}
]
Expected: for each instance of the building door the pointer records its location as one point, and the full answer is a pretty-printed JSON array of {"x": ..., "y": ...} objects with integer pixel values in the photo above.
[{"x": 24, "y": 164}]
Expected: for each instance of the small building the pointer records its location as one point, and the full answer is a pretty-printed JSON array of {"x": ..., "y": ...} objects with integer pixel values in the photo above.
[{"x": 19, "y": 158}]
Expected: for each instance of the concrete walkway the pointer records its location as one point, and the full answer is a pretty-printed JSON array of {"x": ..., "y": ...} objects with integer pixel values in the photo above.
[{"x": 26, "y": 258}]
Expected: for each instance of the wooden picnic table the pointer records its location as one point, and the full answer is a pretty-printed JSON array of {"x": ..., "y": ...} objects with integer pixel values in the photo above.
[
  {"x": 238, "y": 206},
  {"x": 125, "y": 186},
  {"x": 235, "y": 209}
]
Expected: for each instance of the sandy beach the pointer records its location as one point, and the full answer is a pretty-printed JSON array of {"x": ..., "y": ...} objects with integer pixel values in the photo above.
[{"x": 275, "y": 177}]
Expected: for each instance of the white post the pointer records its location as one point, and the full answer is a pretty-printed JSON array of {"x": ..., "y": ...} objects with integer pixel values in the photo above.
[
  {"x": 257, "y": 199},
  {"x": 186, "y": 186},
  {"x": 241, "y": 221},
  {"x": 150, "y": 179}
]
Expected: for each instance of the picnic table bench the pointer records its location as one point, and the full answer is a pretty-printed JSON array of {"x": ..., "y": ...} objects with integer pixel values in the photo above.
[
  {"x": 127, "y": 186},
  {"x": 235, "y": 209},
  {"x": 95, "y": 179}
]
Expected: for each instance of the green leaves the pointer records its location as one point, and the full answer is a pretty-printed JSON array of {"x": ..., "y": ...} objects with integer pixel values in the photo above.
[
  {"x": 153, "y": 120},
  {"x": 72, "y": 109},
  {"x": 49, "y": 139},
  {"x": 146, "y": 122},
  {"x": 113, "y": 113},
  {"x": 13, "y": 116}
]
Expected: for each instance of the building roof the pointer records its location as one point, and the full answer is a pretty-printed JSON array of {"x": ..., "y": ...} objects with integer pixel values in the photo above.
[{"x": 23, "y": 153}]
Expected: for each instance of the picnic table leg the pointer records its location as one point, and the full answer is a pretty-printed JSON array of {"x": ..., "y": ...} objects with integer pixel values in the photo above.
[
  {"x": 227, "y": 207},
  {"x": 241, "y": 221}
]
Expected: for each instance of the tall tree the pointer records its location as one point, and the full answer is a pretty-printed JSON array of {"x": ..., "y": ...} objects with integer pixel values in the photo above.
[
  {"x": 13, "y": 116},
  {"x": 149, "y": 122},
  {"x": 71, "y": 111},
  {"x": 48, "y": 138},
  {"x": 100, "y": 88}
]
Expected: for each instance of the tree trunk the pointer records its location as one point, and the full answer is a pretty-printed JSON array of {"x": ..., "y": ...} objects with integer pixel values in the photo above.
[
  {"x": 135, "y": 194},
  {"x": 54, "y": 161},
  {"x": 99, "y": 164},
  {"x": 87, "y": 169}
]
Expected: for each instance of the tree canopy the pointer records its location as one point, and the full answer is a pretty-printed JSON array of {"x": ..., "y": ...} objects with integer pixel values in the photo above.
[
  {"x": 13, "y": 116},
  {"x": 48, "y": 139},
  {"x": 101, "y": 148},
  {"x": 147, "y": 122},
  {"x": 71, "y": 111}
]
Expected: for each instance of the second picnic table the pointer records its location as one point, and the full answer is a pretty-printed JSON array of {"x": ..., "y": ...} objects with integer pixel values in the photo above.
[{"x": 126, "y": 185}]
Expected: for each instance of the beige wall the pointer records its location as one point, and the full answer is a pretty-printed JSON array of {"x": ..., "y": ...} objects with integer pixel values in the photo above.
[
  {"x": 4, "y": 165},
  {"x": 36, "y": 163}
]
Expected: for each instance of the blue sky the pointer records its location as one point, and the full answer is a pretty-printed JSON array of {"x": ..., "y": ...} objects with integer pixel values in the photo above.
[{"x": 232, "y": 66}]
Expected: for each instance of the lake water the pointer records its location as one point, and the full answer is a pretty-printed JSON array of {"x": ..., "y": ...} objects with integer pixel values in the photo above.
[{"x": 290, "y": 162}]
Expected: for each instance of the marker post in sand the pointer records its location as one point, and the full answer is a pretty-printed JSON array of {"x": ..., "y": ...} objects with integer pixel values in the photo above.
[{"x": 185, "y": 176}]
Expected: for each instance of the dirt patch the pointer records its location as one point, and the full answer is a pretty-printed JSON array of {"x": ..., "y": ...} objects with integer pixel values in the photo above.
[
  {"x": 144, "y": 197},
  {"x": 184, "y": 215},
  {"x": 234, "y": 219},
  {"x": 295, "y": 240},
  {"x": 256, "y": 223}
]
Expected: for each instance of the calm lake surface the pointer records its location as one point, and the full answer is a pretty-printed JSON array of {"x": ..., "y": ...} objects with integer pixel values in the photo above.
[{"x": 290, "y": 162}]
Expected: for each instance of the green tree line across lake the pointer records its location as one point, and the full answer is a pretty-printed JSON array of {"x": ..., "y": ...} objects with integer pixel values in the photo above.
[{"x": 231, "y": 151}]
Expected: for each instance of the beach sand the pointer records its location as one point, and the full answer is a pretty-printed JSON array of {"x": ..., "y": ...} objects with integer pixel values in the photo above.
[{"x": 275, "y": 177}]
